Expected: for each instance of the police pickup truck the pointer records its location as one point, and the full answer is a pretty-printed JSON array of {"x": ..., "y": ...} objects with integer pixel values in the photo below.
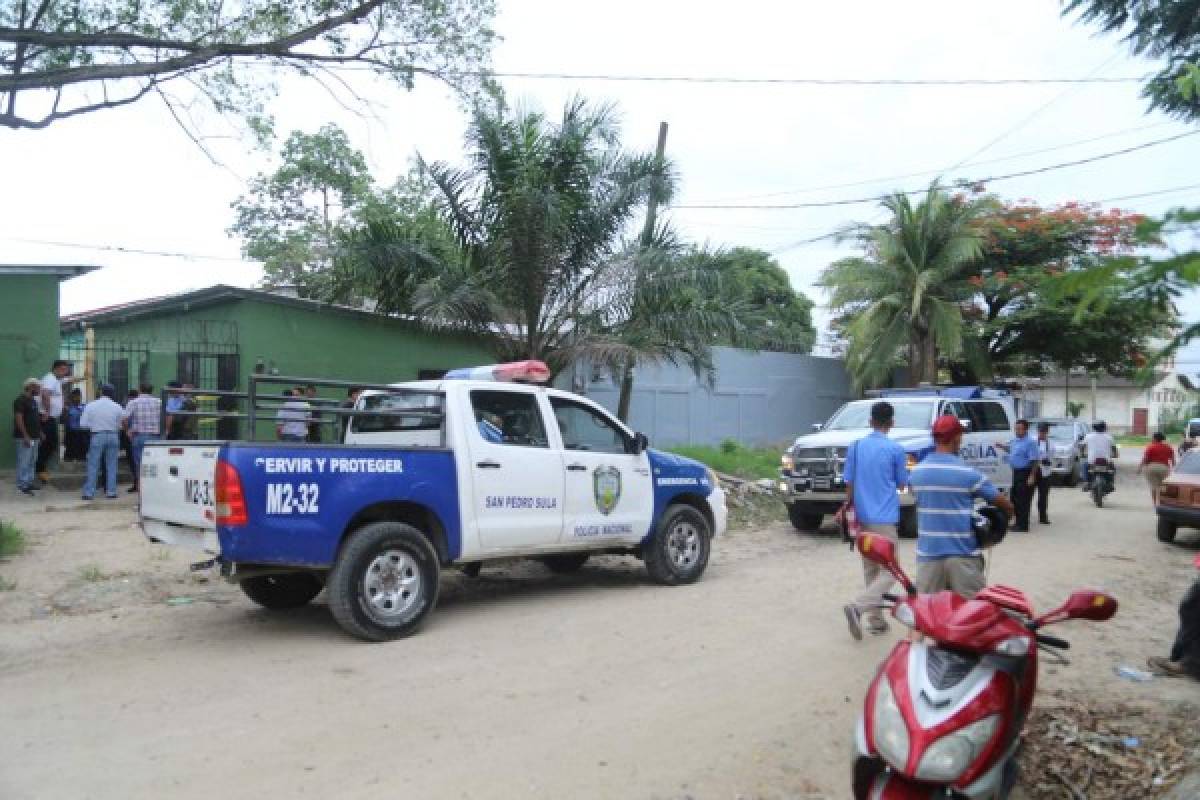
[
  {"x": 811, "y": 471},
  {"x": 431, "y": 474}
]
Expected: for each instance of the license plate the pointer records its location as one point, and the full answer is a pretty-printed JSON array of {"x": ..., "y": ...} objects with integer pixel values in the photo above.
[
  {"x": 821, "y": 483},
  {"x": 198, "y": 492}
]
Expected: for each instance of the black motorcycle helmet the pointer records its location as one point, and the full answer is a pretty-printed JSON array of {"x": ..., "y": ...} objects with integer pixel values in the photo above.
[
  {"x": 1099, "y": 426},
  {"x": 989, "y": 524}
]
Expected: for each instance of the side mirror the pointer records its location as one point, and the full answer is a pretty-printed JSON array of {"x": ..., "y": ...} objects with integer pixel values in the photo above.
[
  {"x": 882, "y": 551},
  {"x": 640, "y": 443},
  {"x": 1082, "y": 604},
  {"x": 817, "y": 426}
]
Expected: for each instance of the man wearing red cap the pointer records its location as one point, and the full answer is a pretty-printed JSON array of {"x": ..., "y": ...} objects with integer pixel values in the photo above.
[{"x": 948, "y": 555}]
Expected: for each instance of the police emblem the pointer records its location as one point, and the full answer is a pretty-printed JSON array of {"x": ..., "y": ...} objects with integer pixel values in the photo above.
[{"x": 606, "y": 486}]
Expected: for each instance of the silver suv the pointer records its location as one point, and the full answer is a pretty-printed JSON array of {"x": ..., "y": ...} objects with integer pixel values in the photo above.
[{"x": 1066, "y": 447}]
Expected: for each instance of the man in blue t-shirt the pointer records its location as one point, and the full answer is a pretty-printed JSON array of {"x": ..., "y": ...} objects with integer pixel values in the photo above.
[
  {"x": 875, "y": 470},
  {"x": 948, "y": 556}
]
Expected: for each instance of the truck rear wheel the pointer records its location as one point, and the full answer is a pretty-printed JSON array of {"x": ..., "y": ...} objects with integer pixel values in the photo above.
[
  {"x": 565, "y": 563},
  {"x": 678, "y": 551},
  {"x": 803, "y": 520},
  {"x": 286, "y": 590},
  {"x": 385, "y": 581}
]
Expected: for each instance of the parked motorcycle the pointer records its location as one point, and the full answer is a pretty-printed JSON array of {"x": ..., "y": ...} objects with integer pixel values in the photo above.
[
  {"x": 1103, "y": 477},
  {"x": 943, "y": 716}
]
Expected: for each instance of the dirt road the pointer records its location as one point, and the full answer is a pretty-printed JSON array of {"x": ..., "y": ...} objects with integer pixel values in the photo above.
[{"x": 122, "y": 677}]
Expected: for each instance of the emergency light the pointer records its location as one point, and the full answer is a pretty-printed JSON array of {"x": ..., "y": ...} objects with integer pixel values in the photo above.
[{"x": 512, "y": 372}]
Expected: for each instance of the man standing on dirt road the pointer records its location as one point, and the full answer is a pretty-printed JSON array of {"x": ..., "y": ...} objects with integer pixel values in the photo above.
[
  {"x": 875, "y": 470},
  {"x": 27, "y": 434},
  {"x": 948, "y": 555},
  {"x": 50, "y": 404},
  {"x": 1023, "y": 458}
]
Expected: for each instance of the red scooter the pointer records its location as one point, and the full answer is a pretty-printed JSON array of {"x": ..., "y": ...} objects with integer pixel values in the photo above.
[{"x": 944, "y": 714}]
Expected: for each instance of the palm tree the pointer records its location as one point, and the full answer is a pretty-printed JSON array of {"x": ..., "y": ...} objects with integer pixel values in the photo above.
[
  {"x": 904, "y": 297},
  {"x": 541, "y": 266}
]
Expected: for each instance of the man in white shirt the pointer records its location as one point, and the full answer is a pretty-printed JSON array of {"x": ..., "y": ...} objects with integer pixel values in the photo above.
[
  {"x": 50, "y": 407},
  {"x": 103, "y": 417},
  {"x": 291, "y": 421},
  {"x": 1098, "y": 445}
]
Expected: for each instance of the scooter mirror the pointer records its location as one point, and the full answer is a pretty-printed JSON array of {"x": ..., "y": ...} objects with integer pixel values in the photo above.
[{"x": 1089, "y": 604}]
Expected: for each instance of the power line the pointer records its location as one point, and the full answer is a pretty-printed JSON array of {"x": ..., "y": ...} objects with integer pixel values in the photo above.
[
  {"x": 1150, "y": 194},
  {"x": 127, "y": 250},
  {"x": 798, "y": 81},
  {"x": 991, "y": 179},
  {"x": 997, "y": 160}
]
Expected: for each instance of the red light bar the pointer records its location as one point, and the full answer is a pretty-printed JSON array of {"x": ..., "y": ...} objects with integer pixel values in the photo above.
[{"x": 512, "y": 372}]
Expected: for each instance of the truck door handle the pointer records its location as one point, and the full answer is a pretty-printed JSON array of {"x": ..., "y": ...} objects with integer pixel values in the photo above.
[
  {"x": 489, "y": 464},
  {"x": 577, "y": 467}
]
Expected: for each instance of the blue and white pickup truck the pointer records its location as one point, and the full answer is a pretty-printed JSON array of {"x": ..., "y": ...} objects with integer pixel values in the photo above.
[{"x": 444, "y": 473}]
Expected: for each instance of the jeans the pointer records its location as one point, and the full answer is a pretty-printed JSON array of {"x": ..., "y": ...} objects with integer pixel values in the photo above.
[
  {"x": 139, "y": 442},
  {"x": 1022, "y": 495},
  {"x": 104, "y": 446},
  {"x": 26, "y": 460}
]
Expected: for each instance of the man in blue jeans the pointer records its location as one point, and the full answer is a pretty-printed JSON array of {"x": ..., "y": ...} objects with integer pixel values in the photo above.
[
  {"x": 876, "y": 469},
  {"x": 27, "y": 435},
  {"x": 103, "y": 418},
  {"x": 142, "y": 420}
]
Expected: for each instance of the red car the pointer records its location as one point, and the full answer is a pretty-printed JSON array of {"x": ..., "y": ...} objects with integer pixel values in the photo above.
[{"x": 1179, "y": 499}]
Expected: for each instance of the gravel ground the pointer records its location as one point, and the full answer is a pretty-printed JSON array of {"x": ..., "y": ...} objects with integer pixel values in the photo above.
[{"x": 123, "y": 674}]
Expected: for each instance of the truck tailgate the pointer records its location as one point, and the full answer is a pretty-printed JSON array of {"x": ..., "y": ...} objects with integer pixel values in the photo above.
[{"x": 177, "y": 485}]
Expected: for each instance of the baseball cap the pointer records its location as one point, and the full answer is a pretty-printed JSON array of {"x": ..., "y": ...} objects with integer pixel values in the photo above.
[{"x": 947, "y": 425}]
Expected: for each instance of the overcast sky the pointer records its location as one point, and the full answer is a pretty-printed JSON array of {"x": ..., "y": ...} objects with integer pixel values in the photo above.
[{"x": 130, "y": 178}]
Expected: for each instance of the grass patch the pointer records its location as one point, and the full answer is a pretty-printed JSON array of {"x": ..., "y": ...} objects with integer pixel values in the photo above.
[
  {"x": 7, "y": 585},
  {"x": 12, "y": 539},
  {"x": 91, "y": 573},
  {"x": 731, "y": 458},
  {"x": 1130, "y": 440}
]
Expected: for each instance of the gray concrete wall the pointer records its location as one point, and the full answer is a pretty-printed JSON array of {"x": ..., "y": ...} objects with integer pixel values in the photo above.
[{"x": 758, "y": 398}]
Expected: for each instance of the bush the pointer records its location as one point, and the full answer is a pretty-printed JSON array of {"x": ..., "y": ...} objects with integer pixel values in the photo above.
[
  {"x": 729, "y": 446},
  {"x": 742, "y": 462},
  {"x": 12, "y": 539}
]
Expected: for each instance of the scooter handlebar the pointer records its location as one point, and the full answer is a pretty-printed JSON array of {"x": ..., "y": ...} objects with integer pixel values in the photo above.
[{"x": 1053, "y": 641}]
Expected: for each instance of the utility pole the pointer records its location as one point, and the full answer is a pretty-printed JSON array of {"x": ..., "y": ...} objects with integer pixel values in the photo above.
[{"x": 647, "y": 238}]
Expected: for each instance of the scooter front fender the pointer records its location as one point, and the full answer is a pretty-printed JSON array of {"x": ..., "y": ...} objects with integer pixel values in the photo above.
[{"x": 874, "y": 781}]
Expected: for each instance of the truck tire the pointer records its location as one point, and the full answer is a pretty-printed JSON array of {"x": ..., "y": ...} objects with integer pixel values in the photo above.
[
  {"x": 1166, "y": 530},
  {"x": 678, "y": 551},
  {"x": 804, "y": 520},
  {"x": 907, "y": 529},
  {"x": 565, "y": 563},
  {"x": 286, "y": 590},
  {"x": 384, "y": 582},
  {"x": 1072, "y": 478}
]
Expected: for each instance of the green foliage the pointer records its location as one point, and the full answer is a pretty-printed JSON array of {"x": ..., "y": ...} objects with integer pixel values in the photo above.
[
  {"x": 904, "y": 296},
  {"x": 1074, "y": 409},
  {"x": 12, "y": 539},
  {"x": 91, "y": 573},
  {"x": 537, "y": 252},
  {"x": 781, "y": 316},
  {"x": 1019, "y": 323},
  {"x": 730, "y": 446},
  {"x": 749, "y": 463},
  {"x": 1160, "y": 29},
  {"x": 106, "y": 53}
]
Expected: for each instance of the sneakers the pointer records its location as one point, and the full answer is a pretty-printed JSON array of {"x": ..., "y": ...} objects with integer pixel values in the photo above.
[
  {"x": 877, "y": 625},
  {"x": 25, "y": 490},
  {"x": 853, "y": 620}
]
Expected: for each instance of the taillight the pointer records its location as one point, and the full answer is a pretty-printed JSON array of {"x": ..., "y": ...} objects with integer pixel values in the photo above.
[{"x": 231, "y": 501}]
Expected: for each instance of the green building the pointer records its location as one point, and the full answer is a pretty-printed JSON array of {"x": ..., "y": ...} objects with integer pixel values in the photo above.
[
  {"x": 215, "y": 338},
  {"x": 28, "y": 331}
]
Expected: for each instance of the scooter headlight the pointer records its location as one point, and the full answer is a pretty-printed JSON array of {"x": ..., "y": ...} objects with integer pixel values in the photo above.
[
  {"x": 1013, "y": 646},
  {"x": 950, "y": 756},
  {"x": 888, "y": 729}
]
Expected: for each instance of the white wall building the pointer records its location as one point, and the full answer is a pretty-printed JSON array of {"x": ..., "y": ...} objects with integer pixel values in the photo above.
[{"x": 1127, "y": 407}]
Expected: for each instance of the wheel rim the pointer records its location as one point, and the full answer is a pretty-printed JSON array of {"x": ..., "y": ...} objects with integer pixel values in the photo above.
[
  {"x": 683, "y": 545},
  {"x": 392, "y": 583}
]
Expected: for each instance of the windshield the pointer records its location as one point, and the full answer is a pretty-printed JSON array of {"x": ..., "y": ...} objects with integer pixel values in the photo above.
[
  {"x": 856, "y": 416},
  {"x": 1062, "y": 433},
  {"x": 1189, "y": 464}
]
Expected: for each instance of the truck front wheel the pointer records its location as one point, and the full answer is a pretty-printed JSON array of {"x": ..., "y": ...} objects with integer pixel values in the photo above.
[
  {"x": 385, "y": 581},
  {"x": 804, "y": 520},
  {"x": 678, "y": 551},
  {"x": 286, "y": 590}
]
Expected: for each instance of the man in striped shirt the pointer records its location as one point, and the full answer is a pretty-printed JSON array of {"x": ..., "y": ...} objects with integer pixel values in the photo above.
[{"x": 948, "y": 556}]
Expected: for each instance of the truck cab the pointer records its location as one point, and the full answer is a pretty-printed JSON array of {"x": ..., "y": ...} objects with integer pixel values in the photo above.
[
  {"x": 811, "y": 469},
  {"x": 431, "y": 474}
]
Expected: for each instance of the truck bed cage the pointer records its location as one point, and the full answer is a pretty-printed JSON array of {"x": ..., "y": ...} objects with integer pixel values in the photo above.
[{"x": 260, "y": 406}]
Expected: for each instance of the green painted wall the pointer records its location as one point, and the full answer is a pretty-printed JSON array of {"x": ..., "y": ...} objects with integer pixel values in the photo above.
[
  {"x": 301, "y": 342},
  {"x": 29, "y": 339}
]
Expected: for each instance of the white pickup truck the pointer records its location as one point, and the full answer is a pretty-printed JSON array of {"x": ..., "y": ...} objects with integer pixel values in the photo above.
[{"x": 450, "y": 472}]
